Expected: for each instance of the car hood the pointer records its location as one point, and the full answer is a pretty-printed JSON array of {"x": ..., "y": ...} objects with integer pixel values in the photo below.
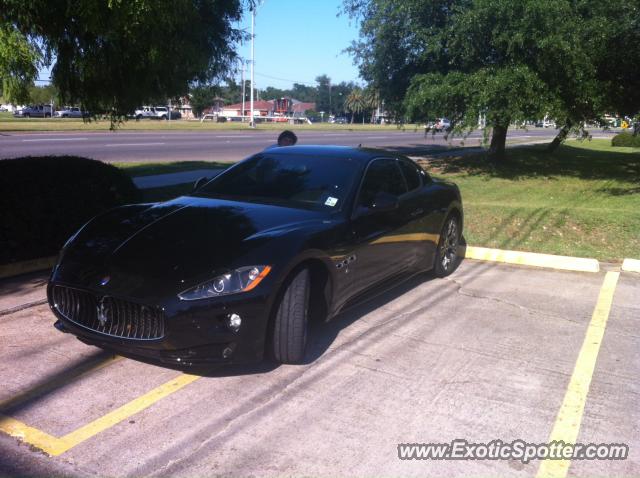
[{"x": 178, "y": 243}]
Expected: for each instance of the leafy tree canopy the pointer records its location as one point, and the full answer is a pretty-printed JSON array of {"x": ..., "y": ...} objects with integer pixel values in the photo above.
[
  {"x": 512, "y": 61},
  {"x": 113, "y": 55}
]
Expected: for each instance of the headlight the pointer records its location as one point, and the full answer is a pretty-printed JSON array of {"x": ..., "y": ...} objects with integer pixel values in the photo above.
[{"x": 240, "y": 280}]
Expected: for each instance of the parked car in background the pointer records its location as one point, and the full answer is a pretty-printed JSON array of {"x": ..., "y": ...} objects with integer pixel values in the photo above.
[
  {"x": 545, "y": 123},
  {"x": 442, "y": 124},
  {"x": 155, "y": 112},
  {"x": 37, "y": 111},
  {"x": 70, "y": 112}
]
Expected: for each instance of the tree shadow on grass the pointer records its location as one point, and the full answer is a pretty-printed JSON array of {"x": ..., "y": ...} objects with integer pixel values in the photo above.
[{"x": 536, "y": 162}]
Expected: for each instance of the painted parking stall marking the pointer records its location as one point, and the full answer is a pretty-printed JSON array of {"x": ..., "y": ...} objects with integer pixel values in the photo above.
[
  {"x": 46, "y": 140},
  {"x": 55, "y": 446},
  {"x": 569, "y": 418}
]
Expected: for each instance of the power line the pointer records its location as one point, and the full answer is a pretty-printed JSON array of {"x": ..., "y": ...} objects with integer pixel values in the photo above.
[{"x": 306, "y": 83}]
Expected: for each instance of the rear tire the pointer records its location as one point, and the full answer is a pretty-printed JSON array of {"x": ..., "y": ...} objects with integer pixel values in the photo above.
[
  {"x": 289, "y": 336},
  {"x": 447, "y": 251}
]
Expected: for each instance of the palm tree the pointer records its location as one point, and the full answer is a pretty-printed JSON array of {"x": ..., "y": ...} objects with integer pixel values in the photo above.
[
  {"x": 372, "y": 99},
  {"x": 355, "y": 102}
]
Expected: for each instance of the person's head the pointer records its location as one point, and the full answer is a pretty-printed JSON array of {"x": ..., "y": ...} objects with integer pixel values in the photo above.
[{"x": 287, "y": 138}]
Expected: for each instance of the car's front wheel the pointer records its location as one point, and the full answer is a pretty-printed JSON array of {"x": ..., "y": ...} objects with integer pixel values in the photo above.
[
  {"x": 289, "y": 334},
  {"x": 447, "y": 252}
]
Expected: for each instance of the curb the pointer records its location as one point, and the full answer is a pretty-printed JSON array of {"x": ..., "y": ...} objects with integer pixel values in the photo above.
[
  {"x": 532, "y": 259},
  {"x": 631, "y": 265},
  {"x": 24, "y": 267}
]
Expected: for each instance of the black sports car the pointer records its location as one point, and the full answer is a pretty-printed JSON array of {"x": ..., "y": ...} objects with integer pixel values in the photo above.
[{"x": 238, "y": 267}]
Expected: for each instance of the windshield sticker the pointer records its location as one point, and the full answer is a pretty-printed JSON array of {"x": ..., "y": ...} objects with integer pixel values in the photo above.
[{"x": 331, "y": 201}]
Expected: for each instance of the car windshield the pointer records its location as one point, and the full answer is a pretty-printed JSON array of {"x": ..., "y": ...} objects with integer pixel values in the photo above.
[{"x": 303, "y": 181}]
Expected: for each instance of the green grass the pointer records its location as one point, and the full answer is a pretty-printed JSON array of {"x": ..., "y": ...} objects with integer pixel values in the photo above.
[
  {"x": 584, "y": 200},
  {"x": 9, "y": 123},
  {"x": 147, "y": 169}
]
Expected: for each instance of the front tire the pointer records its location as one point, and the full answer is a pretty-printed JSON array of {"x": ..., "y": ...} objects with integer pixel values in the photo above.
[
  {"x": 447, "y": 251},
  {"x": 289, "y": 336}
]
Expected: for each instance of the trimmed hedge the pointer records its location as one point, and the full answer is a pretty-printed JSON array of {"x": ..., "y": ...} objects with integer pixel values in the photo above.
[
  {"x": 626, "y": 139},
  {"x": 44, "y": 200}
]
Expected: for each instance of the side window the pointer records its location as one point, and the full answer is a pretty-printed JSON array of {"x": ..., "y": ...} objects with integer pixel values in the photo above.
[
  {"x": 411, "y": 174},
  {"x": 383, "y": 175}
]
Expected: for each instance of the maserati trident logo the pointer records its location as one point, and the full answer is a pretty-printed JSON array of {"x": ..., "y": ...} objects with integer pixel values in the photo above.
[{"x": 102, "y": 312}]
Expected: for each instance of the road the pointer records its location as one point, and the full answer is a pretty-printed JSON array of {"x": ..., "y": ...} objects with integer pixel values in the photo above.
[
  {"x": 489, "y": 353},
  {"x": 222, "y": 145}
]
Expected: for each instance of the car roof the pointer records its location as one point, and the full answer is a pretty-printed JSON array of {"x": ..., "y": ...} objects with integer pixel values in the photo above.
[{"x": 336, "y": 152}]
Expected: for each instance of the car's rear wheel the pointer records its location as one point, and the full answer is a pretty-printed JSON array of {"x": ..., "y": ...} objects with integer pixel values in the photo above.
[
  {"x": 447, "y": 252},
  {"x": 289, "y": 335}
]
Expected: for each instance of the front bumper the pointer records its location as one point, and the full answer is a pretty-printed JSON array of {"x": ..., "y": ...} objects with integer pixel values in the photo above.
[{"x": 195, "y": 332}]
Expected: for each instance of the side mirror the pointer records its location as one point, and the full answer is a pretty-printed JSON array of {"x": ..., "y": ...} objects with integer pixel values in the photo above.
[
  {"x": 199, "y": 183},
  {"x": 385, "y": 202}
]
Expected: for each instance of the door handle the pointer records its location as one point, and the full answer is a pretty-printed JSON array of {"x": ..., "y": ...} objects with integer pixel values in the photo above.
[{"x": 417, "y": 212}]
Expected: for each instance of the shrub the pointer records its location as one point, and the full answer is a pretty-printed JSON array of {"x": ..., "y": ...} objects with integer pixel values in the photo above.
[
  {"x": 43, "y": 200},
  {"x": 626, "y": 139}
]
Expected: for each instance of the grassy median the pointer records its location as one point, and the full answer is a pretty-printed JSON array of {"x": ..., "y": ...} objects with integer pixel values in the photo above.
[
  {"x": 583, "y": 200},
  {"x": 8, "y": 123}
]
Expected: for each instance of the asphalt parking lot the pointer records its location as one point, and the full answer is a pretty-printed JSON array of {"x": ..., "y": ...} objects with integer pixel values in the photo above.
[{"x": 492, "y": 352}]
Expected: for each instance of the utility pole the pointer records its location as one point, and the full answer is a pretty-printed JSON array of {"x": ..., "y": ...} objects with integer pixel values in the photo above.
[
  {"x": 253, "y": 25},
  {"x": 243, "y": 91}
]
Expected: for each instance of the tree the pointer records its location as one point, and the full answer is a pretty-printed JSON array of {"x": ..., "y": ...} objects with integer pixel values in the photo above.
[
  {"x": 372, "y": 100},
  {"x": 512, "y": 61},
  {"x": 324, "y": 94},
  {"x": 43, "y": 95},
  {"x": 202, "y": 97},
  {"x": 114, "y": 55},
  {"x": 305, "y": 93},
  {"x": 271, "y": 93},
  {"x": 339, "y": 94},
  {"x": 356, "y": 102},
  {"x": 19, "y": 63}
]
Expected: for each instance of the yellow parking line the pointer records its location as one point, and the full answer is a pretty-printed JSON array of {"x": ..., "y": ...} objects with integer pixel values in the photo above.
[
  {"x": 533, "y": 259},
  {"x": 81, "y": 434},
  {"x": 568, "y": 421},
  {"x": 56, "y": 446},
  {"x": 37, "y": 438}
]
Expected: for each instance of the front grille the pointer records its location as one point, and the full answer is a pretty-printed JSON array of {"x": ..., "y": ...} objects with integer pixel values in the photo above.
[{"x": 109, "y": 315}]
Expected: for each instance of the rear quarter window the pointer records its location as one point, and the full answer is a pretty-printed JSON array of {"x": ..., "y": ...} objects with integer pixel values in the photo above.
[{"x": 411, "y": 174}]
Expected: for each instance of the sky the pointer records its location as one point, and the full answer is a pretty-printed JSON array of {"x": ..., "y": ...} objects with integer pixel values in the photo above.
[{"x": 298, "y": 40}]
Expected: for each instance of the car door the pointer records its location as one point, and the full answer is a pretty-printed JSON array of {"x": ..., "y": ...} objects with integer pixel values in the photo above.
[
  {"x": 423, "y": 206},
  {"x": 379, "y": 237}
]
